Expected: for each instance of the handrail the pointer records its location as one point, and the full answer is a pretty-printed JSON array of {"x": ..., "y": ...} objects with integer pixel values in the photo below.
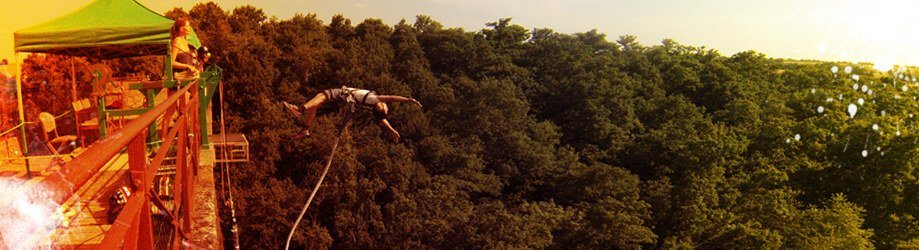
[
  {"x": 133, "y": 224},
  {"x": 65, "y": 181}
]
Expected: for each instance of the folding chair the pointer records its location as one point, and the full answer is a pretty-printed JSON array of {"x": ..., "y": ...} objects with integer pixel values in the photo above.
[
  {"x": 87, "y": 124},
  {"x": 50, "y": 126}
]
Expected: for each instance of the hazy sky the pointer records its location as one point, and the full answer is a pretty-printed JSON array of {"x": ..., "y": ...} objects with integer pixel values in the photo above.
[{"x": 882, "y": 31}]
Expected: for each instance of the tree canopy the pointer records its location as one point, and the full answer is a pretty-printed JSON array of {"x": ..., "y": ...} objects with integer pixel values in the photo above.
[{"x": 530, "y": 138}]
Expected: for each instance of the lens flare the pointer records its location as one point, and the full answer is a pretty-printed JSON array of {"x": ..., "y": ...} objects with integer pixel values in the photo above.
[{"x": 28, "y": 215}]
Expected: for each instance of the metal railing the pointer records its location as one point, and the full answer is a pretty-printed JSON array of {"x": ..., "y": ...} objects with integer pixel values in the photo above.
[{"x": 132, "y": 229}]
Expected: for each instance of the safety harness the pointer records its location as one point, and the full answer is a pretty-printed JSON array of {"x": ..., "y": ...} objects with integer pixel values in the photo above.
[{"x": 348, "y": 95}]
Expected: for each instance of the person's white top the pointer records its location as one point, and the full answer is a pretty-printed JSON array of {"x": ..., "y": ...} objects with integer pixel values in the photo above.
[{"x": 363, "y": 96}]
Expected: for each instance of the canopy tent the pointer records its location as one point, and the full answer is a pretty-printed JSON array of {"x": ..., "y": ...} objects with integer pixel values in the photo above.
[{"x": 104, "y": 29}]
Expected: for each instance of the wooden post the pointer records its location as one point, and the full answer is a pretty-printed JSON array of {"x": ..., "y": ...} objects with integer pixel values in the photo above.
[
  {"x": 151, "y": 102},
  {"x": 182, "y": 166},
  {"x": 130, "y": 238},
  {"x": 179, "y": 183},
  {"x": 201, "y": 116},
  {"x": 142, "y": 229},
  {"x": 199, "y": 136},
  {"x": 146, "y": 240},
  {"x": 102, "y": 117},
  {"x": 168, "y": 117},
  {"x": 137, "y": 162}
]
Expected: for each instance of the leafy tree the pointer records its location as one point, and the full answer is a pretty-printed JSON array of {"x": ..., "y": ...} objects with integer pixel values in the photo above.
[{"x": 536, "y": 139}]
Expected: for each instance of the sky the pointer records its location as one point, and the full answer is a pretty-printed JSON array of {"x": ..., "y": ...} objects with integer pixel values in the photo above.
[{"x": 879, "y": 31}]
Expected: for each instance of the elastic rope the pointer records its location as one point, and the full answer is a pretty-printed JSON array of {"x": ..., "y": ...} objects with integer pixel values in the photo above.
[{"x": 321, "y": 177}]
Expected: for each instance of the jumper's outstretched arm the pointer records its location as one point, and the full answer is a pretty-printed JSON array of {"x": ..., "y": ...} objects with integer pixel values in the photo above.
[
  {"x": 395, "y": 134},
  {"x": 395, "y": 98}
]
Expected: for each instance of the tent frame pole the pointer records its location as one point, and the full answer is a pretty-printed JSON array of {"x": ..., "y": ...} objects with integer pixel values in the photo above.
[
  {"x": 22, "y": 119},
  {"x": 73, "y": 99}
]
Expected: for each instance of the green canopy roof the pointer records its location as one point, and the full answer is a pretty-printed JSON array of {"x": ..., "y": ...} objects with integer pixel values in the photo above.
[{"x": 104, "y": 28}]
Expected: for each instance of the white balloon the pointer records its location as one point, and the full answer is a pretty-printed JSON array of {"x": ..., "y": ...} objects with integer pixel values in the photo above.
[
  {"x": 820, "y": 109},
  {"x": 848, "y": 69},
  {"x": 852, "y": 110},
  {"x": 864, "y": 88},
  {"x": 865, "y": 153}
]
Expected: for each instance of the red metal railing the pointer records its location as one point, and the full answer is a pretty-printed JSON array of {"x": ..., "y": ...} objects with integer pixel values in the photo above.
[{"x": 133, "y": 227}]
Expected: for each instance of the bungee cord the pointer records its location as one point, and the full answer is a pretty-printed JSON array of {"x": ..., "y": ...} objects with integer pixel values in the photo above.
[{"x": 328, "y": 163}]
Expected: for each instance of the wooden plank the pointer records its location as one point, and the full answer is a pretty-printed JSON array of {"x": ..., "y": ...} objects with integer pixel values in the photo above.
[
  {"x": 80, "y": 237},
  {"x": 86, "y": 211}
]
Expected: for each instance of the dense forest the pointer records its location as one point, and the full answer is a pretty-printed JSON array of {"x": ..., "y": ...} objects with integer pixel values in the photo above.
[{"x": 530, "y": 138}]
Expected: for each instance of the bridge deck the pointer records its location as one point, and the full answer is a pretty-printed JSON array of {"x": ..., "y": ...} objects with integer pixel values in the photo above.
[
  {"x": 86, "y": 212},
  {"x": 85, "y": 215}
]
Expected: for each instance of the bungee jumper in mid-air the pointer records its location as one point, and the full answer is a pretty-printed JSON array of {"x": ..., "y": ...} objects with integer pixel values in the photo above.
[{"x": 356, "y": 99}]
